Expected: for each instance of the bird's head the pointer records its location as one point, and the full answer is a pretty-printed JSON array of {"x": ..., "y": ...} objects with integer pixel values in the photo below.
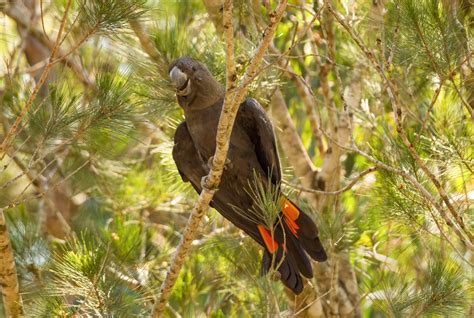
[{"x": 195, "y": 86}]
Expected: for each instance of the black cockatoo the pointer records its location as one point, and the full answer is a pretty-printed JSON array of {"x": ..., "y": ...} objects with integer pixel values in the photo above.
[{"x": 252, "y": 157}]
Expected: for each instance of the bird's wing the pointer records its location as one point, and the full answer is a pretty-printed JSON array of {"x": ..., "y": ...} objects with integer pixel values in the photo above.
[
  {"x": 189, "y": 163},
  {"x": 192, "y": 169},
  {"x": 259, "y": 128}
]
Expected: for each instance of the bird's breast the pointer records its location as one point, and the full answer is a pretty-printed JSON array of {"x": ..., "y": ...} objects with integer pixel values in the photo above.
[{"x": 202, "y": 126}]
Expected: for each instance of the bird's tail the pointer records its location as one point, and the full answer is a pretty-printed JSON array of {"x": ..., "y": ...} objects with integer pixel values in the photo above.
[{"x": 295, "y": 237}]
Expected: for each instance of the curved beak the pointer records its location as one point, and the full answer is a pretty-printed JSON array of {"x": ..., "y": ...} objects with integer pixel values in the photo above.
[{"x": 181, "y": 81}]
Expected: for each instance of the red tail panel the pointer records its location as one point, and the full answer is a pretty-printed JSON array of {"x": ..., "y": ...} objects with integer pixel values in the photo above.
[
  {"x": 270, "y": 243},
  {"x": 291, "y": 214}
]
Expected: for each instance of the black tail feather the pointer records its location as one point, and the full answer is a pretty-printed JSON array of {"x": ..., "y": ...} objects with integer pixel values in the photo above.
[
  {"x": 308, "y": 236},
  {"x": 294, "y": 247},
  {"x": 291, "y": 257},
  {"x": 286, "y": 266}
]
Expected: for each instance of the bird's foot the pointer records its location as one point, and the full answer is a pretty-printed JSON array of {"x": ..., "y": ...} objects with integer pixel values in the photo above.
[
  {"x": 204, "y": 182},
  {"x": 227, "y": 164},
  {"x": 206, "y": 185}
]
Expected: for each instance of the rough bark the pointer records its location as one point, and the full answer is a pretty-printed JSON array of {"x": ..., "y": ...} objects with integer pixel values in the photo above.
[
  {"x": 214, "y": 9},
  {"x": 8, "y": 278}
]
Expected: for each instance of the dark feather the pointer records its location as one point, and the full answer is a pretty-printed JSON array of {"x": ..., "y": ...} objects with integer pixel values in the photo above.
[{"x": 252, "y": 152}]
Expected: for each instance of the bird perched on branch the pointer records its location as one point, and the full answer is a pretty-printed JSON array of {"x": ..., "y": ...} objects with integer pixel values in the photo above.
[{"x": 252, "y": 170}]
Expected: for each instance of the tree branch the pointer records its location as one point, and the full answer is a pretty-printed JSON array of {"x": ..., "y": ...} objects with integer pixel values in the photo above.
[
  {"x": 428, "y": 112},
  {"x": 398, "y": 115},
  {"x": 337, "y": 192},
  {"x": 308, "y": 100},
  {"x": 20, "y": 16},
  {"x": 423, "y": 191},
  {"x": 232, "y": 101},
  {"x": 10, "y": 135}
]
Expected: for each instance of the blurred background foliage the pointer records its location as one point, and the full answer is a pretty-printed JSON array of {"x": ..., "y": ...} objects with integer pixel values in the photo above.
[{"x": 95, "y": 206}]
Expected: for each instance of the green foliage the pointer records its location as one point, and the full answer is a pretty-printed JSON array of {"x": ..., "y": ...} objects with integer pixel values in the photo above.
[
  {"x": 339, "y": 234},
  {"x": 82, "y": 272},
  {"x": 54, "y": 119},
  {"x": 31, "y": 249},
  {"x": 268, "y": 201},
  {"x": 440, "y": 292},
  {"x": 226, "y": 290},
  {"x": 93, "y": 274},
  {"x": 112, "y": 112},
  {"x": 431, "y": 37},
  {"x": 102, "y": 153},
  {"x": 108, "y": 16}
]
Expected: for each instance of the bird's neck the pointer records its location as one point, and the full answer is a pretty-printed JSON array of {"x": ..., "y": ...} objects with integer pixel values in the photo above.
[
  {"x": 204, "y": 98},
  {"x": 200, "y": 107}
]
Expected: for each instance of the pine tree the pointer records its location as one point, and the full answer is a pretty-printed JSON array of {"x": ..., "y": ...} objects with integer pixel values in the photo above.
[{"x": 372, "y": 106}]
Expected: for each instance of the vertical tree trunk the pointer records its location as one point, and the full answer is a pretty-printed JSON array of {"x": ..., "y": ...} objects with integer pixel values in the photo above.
[
  {"x": 342, "y": 282},
  {"x": 8, "y": 279}
]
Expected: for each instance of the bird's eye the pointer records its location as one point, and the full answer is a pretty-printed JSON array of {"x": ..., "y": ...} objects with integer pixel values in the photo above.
[{"x": 194, "y": 68}]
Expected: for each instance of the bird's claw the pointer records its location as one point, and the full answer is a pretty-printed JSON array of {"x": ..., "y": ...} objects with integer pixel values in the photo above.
[
  {"x": 227, "y": 164},
  {"x": 206, "y": 186},
  {"x": 204, "y": 182}
]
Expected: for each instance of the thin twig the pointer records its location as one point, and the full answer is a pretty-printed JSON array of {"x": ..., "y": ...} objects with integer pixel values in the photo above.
[
  {"x": 41, "y": 182},
  {"x": 463, "y": 101},
  {"x": 337, "y": 192},
  {"x": 425, "y": 193},
  {"x": 17, "y": 200},
  {"x": 398, "y": 116},
  {"x": 325, "y": 68},
  {"x": 11, "y": 134},
  {"x": 293, "y": 146},
  {"x": 428, "y": 112},
  {"x": 20, "y": 17}
]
